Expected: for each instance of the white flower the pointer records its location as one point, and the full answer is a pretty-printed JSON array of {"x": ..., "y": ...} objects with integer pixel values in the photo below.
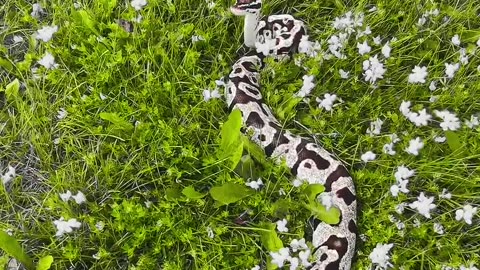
[
  {"x": 9, "y": 175},
  {"x": 405, "y": 108},
  {"x": 450, "y": 120},
  {"x": 279, "y": 258},
  {"x": 139, "y": 18},
  {"x": 366, "y": 32},
  {"x": 471, "y": 267},
  {"x": 77, "y": 5},
  {"x": 450, "y": 69},
  {"x": 298, "y": 244},
  {"x": 418, "y": 75},
  {"x": 282, "y": 225},
  {"x": 377, "y": 40},
  {"x": 423, "y": 205},
  {"x": 399, "y": 208},
  {"x": 445, "y": 194},
  {"x": 210, "y": 233},
  {"x": 197, "y": 38},
  {"x": 326, "y": 200},
  {"x": 304, "y": 255},
  {"x": 210, "y": 94},
  {"x": 422, "y": 20},
  {"x": 403, "y": 173},
  {"x": 17, "y": 39},
  {"x": 46, "y": 33},
  {"x": 79, "y": 198},
  {"x": 363, "y": 48},
  {"x": 432, "y": 86},
  {"x": 327, "y": 102},
  {"x": 293, "y": 263},
  {"x": 420, "y": 119},
  {"x": 456, "y": 40},
  {"x": 255, "y": 184},
  {"x": 66, "y": 226},
  {"x": 433, "y": 98},
  {"x": 438, "y": 228},
  {"x": 473, "y": 122},
  {"x": 48, "y": 61},
  {"x": 210, "y": 5},
  {"x": 466, "y": 213},
  {"x": 281, "y": 192},
  {"x": 138, "y": 4},
  {"x": 66, "y": 196},
  {"x": 373, "y": 69},
  {"x": 386, "y": 50},
  {"x": 388, "y": 149},
  {"x": 380, "y": 257},
  {"x": 414, "y": 146},
  {"x": 36, "y": 10},
  {"x": 61, "y": 114},
  {"x": 102, "y": 96},
  {"x": 463, "y": 56},
  {"x": 344, "y": 74},
  {"x": 256, "y": 267},
  {"x": 375, "y": 127},
  {"x": 307, "y": 86},
  {"x": 336, "y": 45},
  {"x": 368, "y": 156},
  {"x": 439, "y": 139}
]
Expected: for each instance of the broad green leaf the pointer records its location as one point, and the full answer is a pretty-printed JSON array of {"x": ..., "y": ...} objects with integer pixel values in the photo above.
[
  {"x": 45, "y": 262},
  {"x": 453, "y": 140},
  {"x": 13, "y": 248},
  {"x": 12, "y": 90},
  {"x": 312, "y": 191},
  {"x": 269, "y": 237},
  {"x": 254, "y": 150},
  {"x": 332, "y": 216},
  {"x": 230, "y": 193},
  {"x": 231, "y": 146},
  {"x": 191, "y": 193},
  {"x": 4, "y": 63},
  {"x": 117, "y": 121},
  {"x": 172, "y": 193}
]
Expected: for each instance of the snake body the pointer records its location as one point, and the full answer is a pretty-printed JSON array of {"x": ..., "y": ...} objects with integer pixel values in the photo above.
[{"x": 334, "y": 244}]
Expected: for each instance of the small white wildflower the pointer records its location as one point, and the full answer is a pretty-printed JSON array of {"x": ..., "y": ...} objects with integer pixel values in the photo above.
[
  {"x": 279, "y": 258},
  {"x": 400, "y": 225},
  {"x": 282, "y": 225},
  {"x": 473, "y": 122},
  {"x": 210, "y": 94},
  {"x": 432, "y": 86},
  {"x": 304, "y": 255},
  {"x": 463, "y": 56},
  {"x": 400, "y": 208},
  {"x": 138, "y": 19},
  {"x": 100, "y": 225},
  {"x": 66, "y": 196},
  {"x": 433, "y": 99},
  {"x": 377, "y": 40},
  {"x": 255, "y": 184},
  {"x": 386, "y": 49},
  {"x": 56, "y": 141},
  {"x": 344, "y": 74},
  {"x": 368, "y": 156},
  {"x": 294, "y": 263},
  {"x": 405, "y": 108},
  {"x": 403, "y": 173},
  {"x": 46, "y": 33},
  {"x": 326, "y": 200},
  {"x": 438, "y": 228},
  {"x": 298, "y": 245},
  {"x": 256, "y": 267},
  {"x": 422, "y": 20},
  {"x": 380, "y": 257},
  {"x": 456, "y": 40},
  {"x": 450, "y": 120},
  {"x": 375, "y": 127},
  {"x": 394, "y": 138},
  {"x": 374, "y": 70},
  {"x": 64, "y": 227},
  {"x": 420, "y": 119},
  {"x": 9, "y": 175},
  {"x": 281, "y": 192},
  {"x": 388, "y": 149},
  {"x": 210, "y": 233},
  {"x": 466, "y": 213},
  {"x": 210, "y": 4},
  {"x": 48, "y": 61},
  {"x": 36, "y": 10},
  {"x": 61, "y": 114},
  {"x": 450, "y": 69},
  {"x": 423, "y": 205},
  {"x": 418, "y": 75},
  {"x": 96, "y": 256},
  {"x": 363, "y": 48},
  {"x": 327, "y": 102},
  {"x": 138, "y": 4},
  {"x": 307, "y": 86},
  {"x": 440, "y": 139},
  {"x": 445, "y": 194},
  {"x": 79, "y": 198},
  {"x": 197, "y": 38},
  {"x": 372, "y": 9},
  {"x": 102, "y": 96},
  {"x": 17, "y": 39},
  {"x": 414, "y": 146},
  {"x": 77, "y": 5}
]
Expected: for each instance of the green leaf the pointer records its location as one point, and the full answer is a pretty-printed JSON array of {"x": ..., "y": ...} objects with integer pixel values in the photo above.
[
  {"x": 12, "y": 90},
  {"x": 108, "y": 6},
  {"x": 117, "y": 121},
  {"x": 45, "y": 262},
  {"x": 269, "y": 237},
  {"x": 254, "y": 150},
  {"x": 4, "y": 63},
  {"x": 230, "y": 193},
  {"x": 332, "y": 216},
  {"x": 191, "y": 193},
  {"x": 453, "y": 140},
  {"x": 312, "y": 191},
  {"x": 13, "y": 248},
  {"x": 84, "y": 18},
  {"x": 231, "y": 146},
  {"x": 172, "y": 194}
]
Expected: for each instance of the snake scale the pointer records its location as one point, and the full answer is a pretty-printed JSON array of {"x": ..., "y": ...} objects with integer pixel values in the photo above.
[{"x": 334, "y": 244}]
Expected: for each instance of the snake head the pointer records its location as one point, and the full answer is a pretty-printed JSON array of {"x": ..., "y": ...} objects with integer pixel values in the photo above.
[{"x": 242, "y": 7}]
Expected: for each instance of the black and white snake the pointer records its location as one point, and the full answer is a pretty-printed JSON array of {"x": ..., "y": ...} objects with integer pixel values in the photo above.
[{"x": 281, "y": 35}]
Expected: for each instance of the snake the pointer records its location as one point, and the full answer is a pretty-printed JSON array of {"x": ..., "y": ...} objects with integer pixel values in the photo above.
[{"x": 279, "y": 36}]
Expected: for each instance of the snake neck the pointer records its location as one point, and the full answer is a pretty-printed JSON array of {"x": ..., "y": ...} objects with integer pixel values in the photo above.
[{"x": 249, "y": 34}]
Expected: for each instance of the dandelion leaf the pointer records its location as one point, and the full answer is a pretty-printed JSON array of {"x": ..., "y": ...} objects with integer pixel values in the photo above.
[
  {"x": 229, "y": 193},
  {"x": 11, "y": 246}
]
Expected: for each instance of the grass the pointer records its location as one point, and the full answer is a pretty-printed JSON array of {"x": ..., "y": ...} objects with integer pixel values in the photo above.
[{"x": 135, "y": 150}]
